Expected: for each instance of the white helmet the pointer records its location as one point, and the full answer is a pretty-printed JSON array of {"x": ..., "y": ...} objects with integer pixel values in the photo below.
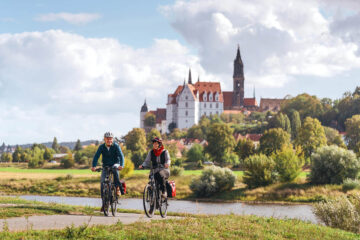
[{"x": 108, "y": 135}]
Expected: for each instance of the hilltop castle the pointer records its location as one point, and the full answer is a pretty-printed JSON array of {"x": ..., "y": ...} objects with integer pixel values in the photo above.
[{"x": 191, "y": 101}]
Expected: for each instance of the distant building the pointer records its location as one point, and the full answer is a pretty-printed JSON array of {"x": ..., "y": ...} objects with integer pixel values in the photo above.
[{"x": 270, "y": 104}]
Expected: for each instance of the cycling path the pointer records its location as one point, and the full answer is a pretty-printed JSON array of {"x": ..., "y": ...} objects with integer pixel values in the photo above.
[{"x": 62, "y": 221}]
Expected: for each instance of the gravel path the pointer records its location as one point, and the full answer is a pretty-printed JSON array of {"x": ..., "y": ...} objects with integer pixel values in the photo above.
[{"x": 62, "y": 221}]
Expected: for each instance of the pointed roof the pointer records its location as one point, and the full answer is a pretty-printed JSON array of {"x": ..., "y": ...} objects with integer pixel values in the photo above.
[
  {"x": 189, "y": 79},
  {"x": 144, "y": 107}
]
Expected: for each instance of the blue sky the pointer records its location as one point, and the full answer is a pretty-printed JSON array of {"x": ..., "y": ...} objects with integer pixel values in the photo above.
[{"x": 75, "y": 69}]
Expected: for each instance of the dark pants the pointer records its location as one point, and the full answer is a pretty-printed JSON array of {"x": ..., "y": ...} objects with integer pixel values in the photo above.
[
  {"x": 116, "y": 179},
  {"x": 161, "y": 177}
]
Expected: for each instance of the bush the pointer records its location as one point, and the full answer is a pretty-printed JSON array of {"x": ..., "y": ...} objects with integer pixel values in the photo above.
[
  {"x": 68, "y": 161},
  {"x": 332, "y": 165},
  {"x": 128, "y": 169},
  {"x": 259, "y": 171},
  {"x": 343, "y": 213},
  {"x": 350, "y": 184},
  {"x": 213, "y": 180},
  {"x": 287, "y": 164},
  {"x": 176, "y": 171},
  {"x": 177, "y": 162},
  {"x": 195, "y": 153}
]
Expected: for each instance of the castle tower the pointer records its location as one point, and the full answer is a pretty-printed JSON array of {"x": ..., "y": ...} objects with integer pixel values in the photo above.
[
  {"x": 143, "y": 111},
  {"x": 238, "y": 81},
  {"x": 189, "y": 79}
]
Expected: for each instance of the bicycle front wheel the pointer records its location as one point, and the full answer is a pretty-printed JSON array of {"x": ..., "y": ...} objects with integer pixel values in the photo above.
[{"x": 149, "y": 201}]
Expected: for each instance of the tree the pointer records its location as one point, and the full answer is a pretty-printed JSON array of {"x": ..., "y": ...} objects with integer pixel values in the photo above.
[
  {"x": 55, "y": 145},
  {"x": 2, "y": 148},
  {"x": 177, "y": 134},
  {"x": 48, "y": 153},
  {"x": 150, "y": 119},
  {"x": 311, "y": 136},
  {"x": 333, "y": 137},
  {"x": 78, "y": 146},
  {"x": 287, "y": 124},
  {"x": 245, "y": 148},
  {"x": 172, "y": 149},
  {"x": 135, "y": 140},
  {"x": 195, "y": 153},
  {"x": 287, "y": 164},
  {"x": 332, "y": 165},
  {"x": 6, "y": 157},
  {"x": 353, "y": 132},
  {"x": 16, "y": 156},
  {"x": 295, "y": 123},
  {"x": 278, "y": 121},
  {"x": 64, "y": 149},
  {"x": 204, "y": 123},
  {"x": 36, "y": 158},
  {"x": 68, "y": 161},
  {"x": 259, "y": 171},
  {"x": 220, "y": 142},
  {"x": 151, "y": 135},
  {"x": 195, "y": 132},
  {"x": 306, "y": 105},
  {"x": 273, "y": 140}
]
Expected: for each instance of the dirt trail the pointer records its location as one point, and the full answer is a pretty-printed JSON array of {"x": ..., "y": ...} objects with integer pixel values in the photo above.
[{"x": 62, "y": 221}]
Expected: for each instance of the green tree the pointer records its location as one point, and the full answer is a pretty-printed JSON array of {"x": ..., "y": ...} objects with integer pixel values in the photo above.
[
  {"x": 64, "y": 149},
  {"x": 353, "y": 132},
  {"x": 295, "y": 123},
  {"x": 245, "y": 148},
  {"x": 48, "y": 154},
  {"x": 287, "y": 164},
  {"x": 36, "y": 157},
  {"x": 172, "y": 149},
  {"x": 68, "y": 161},
  {"x": 78, "y": 146},
  {"x": 151, "y": 135},
  {"x": 278, "y": 121},
  {"x": 177, "y": 134},
  {"x": 195, "y": 153},
  {"x": 332, "y": 165},
  {"x": 195, "y": 132},
  {"x": 204, "y": 123},
  {"x": 273, "y": 140},
  {"x": 55, "y": 145},
  {"x": 287, "y": 124},
  {"x": 306, "y": 105},
  {"x": 16, "y": 156},
  {"x": 6, "y": 157},
  {"x": 311, "y": 136},
  {"x": 78, "y": 157},
  {"x": 333, "y": 137},
  {"x": 220, "y": 142},
  {"x": 135, "y": 140},
  {"x": 150, "y": 119},
  {"x": 259, "y": 171}
]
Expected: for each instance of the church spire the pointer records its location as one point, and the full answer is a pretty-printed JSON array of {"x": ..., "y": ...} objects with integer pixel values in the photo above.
[
  {"x": 199, "y": 78},
  {"x": 254, "y": 91},
  {"x": 189, "y": 79},
  {"x": 144, "y": 107}
]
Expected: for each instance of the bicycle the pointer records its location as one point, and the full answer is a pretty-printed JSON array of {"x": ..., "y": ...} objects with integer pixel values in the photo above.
[
  {"x": 109, "y": 196},
  {"x": 152, "y": 198}
]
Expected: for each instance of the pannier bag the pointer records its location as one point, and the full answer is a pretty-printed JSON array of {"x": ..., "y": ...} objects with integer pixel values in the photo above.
[
  {"x": 171, "y": 189},
  {"x": 123, "y": 187}
]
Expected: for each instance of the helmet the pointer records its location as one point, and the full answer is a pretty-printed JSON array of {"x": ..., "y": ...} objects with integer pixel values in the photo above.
[
  {"x": 108, "y": 135},
  {"x": 157, "y": 140}
]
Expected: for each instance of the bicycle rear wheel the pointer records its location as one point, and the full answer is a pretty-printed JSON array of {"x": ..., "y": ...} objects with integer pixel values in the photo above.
[
  {"x": 113, "y": 201},
  {"x": 163, "y": 206},
  {"x": 106, "y": 199},
  {"x": 149, "y": 201}
]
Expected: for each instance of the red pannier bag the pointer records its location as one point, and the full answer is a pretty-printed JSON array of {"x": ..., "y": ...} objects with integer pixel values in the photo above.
[
  {"x": 171, "y": 189},
  {"x": 123, "y": 187}
]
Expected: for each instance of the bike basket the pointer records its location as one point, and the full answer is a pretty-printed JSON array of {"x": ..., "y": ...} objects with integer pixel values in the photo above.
[
  {"x": 123, "y": 187},
  {"x": 171, "y": 189}
]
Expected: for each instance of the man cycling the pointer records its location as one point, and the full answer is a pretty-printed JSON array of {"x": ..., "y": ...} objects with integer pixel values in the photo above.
[
  {"x": 112, "y": 156},
  {"x": 160, "y": 159}
]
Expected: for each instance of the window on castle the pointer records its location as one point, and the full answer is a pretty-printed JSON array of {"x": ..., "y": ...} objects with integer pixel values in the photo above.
[
  {"x": 210, "y": 105},
  {"x": 186, "y": 113},
  {"x": 204, "y": 105},
  {"x": 217, "y": 105},
  {"x": 186, "y": 104},
  {"x": 186, "y": 97}
]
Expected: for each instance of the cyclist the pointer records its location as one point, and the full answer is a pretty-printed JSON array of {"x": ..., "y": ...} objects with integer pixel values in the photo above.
[
  {"x": 160, "y": 159},
  {"x": 112, "y": 156}
]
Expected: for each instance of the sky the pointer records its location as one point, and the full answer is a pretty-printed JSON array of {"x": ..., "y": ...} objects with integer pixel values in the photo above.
[{"x": 76, "y": 69}]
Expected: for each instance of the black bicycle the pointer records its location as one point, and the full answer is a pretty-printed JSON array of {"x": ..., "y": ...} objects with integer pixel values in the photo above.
[
  {"x": 109, "y": 196},
  {"x": 152, "y": 199}
]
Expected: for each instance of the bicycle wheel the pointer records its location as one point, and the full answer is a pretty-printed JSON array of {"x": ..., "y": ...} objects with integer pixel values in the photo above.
[
  {"x": 149, "y": 201},
  {"x": 113, "y": 200},
  {"x": 163, "y": 206},
  {"x": 106, "y": 199}
]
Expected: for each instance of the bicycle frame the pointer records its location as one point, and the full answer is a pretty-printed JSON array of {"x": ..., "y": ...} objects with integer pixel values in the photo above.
[{"x": 108, "y": 191}]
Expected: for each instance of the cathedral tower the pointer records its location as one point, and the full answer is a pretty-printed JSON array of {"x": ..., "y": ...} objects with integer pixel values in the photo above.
[{"x": 238, "y": 80}]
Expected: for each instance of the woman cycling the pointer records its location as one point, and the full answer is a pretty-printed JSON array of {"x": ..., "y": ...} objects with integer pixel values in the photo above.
[{"x": 160, "y": 159}]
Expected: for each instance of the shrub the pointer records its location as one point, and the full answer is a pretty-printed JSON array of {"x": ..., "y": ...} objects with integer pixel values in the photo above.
[
  {"x": 68, "y": 161},
  {"x": 259, "y": 171},
  {"x": 213, "y": 180},
  {"x": 332, "y": 164},
  {"x": 177, "y": 162},
  {"x": 287, "y": 164},
  {"x": 195, "y": 153},
  {"x": 343, "y": 212},
  {"x": 350, "y": 184},
  {"x": 176, "y": 171},
  {"x": 128, "y": 169}
]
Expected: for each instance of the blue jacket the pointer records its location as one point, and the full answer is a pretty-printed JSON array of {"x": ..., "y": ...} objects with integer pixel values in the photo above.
[{"x": 109, "y": 157}]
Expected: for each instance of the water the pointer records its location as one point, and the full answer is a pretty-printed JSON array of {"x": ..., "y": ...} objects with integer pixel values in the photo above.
[{"x": 282, "y": 211}]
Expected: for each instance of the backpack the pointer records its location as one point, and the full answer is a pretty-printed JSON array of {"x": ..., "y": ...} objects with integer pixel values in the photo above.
[
  {"x": 123, "y": 187},
  {"x": 171, "y": 189}
]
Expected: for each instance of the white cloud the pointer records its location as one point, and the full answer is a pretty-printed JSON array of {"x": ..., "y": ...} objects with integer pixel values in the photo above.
[
  {"x": 73, "y": 18},
  {"x": 55, "y": 83},
  {"x": 280, "y": 41}
]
